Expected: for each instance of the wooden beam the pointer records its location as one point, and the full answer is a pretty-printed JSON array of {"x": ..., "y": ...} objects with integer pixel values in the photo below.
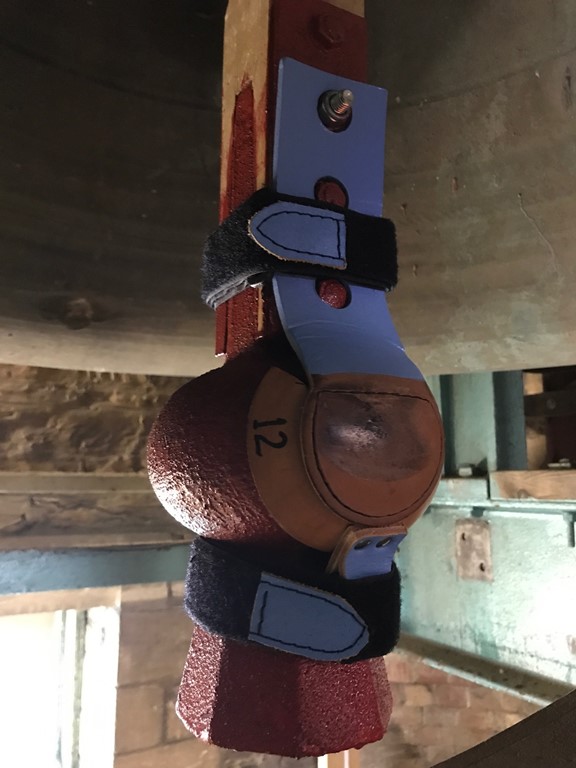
[
  {"x": 62, "y": 600},
  {"x": 544, "y": 485},
  {"x": 73, "y": 482},
  {"x": 248, "y": 101},
  {"x": 348, "y": 759},
  {"x": 50, "y": 511},
  {"x": 243, "y": 170}
]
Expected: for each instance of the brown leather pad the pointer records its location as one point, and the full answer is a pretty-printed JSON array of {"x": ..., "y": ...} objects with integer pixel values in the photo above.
[
  {"x": 356, "y": 449},
  {"x": 373, "y": 446}
]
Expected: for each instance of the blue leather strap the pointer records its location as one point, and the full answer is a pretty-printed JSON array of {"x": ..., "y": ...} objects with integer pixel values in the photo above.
[{"x": 359, "y": 338}]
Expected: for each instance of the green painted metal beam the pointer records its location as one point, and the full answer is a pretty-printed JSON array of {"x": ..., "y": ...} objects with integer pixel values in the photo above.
[
  {"x": 525, "y": 617},
  {"x": 36, "y": 571}
]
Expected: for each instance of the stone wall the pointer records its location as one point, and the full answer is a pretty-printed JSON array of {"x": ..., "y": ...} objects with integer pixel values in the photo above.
[{"x": 77, "y": 421}]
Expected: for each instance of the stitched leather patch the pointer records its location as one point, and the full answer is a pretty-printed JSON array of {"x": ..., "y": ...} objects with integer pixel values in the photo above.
[
  {"x": 295, "y": 232},
  {"x": 305, "y": 620}
]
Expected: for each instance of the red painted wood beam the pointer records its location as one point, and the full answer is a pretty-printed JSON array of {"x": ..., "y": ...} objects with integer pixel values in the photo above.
[{"x": 313, "y": 32}]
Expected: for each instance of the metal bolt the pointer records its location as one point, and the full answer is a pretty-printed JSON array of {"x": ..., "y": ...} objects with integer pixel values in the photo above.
[
  {"x": 560, "y": 464},
  {"x": 328, "y": 30},
  {"x": 335, "y": 109}
]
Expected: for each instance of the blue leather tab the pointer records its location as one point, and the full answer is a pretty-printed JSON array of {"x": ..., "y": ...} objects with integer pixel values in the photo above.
[
  {"x": 309, "y": 622},
  {"x": 371, "y": 556},
  {"x": 294, "y": 232}
]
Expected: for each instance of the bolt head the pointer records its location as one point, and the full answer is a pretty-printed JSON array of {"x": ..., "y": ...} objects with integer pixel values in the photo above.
[{"x": 328, "y": 30}]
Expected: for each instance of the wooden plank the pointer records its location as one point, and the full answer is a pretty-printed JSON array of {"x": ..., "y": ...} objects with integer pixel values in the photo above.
[
  {"x": 544, "y": 485},
  {"x": 248, "y": 107},
  {"x": 72, "y": 520},
  {"x": 73, "y": 482},
  {"x": 348, "y": 759},
  {"x": 62, "y": 600},
  {"x": 243, "y": 65},
  {"x": 245, "y": 121},
  {"x": 248, "y": 64}
]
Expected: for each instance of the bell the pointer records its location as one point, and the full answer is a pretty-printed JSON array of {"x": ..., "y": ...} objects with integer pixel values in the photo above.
[{"x": 110, "y": 134}]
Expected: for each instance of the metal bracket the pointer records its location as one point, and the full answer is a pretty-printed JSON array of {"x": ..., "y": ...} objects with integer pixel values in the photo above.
[{"x": 474, "y": 550}]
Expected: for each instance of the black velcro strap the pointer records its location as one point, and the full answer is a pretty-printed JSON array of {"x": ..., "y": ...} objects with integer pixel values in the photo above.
[
  {"x": 233, "y": 259},
  {"x": 221, "y": 589}
]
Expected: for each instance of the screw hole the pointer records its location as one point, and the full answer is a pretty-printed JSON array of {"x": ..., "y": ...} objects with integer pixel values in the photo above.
[
  {"x": 482, "y": 567},
  {"x": 463, "y": 537},
  {"x": 382, "y": 543},
  {"x": 330, "y": 190},
  {"x": 334, "y": 293},
  {"x": 362, "y": 544}
]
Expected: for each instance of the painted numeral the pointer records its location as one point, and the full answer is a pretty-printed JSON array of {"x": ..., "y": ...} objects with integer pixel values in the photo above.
[{"x": 278, "y": 440}]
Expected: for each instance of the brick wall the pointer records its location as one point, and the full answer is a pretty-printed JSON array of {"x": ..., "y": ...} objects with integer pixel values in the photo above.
[{"x": 437, "y": 715}]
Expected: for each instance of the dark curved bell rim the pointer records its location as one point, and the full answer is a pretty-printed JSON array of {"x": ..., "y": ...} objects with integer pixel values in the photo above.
[{"x": 110, "y": 133}]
